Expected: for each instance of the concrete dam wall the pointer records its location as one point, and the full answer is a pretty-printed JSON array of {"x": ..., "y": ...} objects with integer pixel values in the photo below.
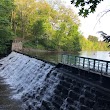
[{"x": 44, "y": 86}]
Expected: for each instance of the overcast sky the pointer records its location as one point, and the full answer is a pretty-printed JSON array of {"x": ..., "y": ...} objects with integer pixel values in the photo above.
[{"x": 88, "y": 25}]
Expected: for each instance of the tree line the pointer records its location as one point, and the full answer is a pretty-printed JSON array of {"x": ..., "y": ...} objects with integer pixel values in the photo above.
[
  {"x": 6, "y": 34},
  {"x": 42, "y": 25}
]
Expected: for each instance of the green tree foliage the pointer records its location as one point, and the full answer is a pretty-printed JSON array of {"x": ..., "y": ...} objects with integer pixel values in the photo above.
[
  {"x": 38, "y": 30},
  {"x": 56, "y": 32},
  {"x": 6, "y": 34},
  {"x": 49, "y": 27},
  {"x": 86, "y": 6},
  {"x": 92, "y": 38},
  {"x": 90, "y": 45},
  {"x": 44, "y": 27},
  {"x": 106, "y": 38},
  {"x": 23, "y": 17}
]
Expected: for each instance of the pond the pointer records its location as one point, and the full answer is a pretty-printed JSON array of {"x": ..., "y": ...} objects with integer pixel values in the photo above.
[{"x": 55, "y": 57}]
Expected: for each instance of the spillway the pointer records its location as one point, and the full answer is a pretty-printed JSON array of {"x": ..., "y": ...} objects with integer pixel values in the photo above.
[{"x": 44, "y": 86}]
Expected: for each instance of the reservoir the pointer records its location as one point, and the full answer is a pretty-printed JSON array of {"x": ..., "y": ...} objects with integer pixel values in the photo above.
[{"x": 55, "y": 57}]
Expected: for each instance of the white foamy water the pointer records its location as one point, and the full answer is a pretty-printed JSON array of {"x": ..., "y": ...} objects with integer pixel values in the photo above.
[{"x": 23, "y": 73}]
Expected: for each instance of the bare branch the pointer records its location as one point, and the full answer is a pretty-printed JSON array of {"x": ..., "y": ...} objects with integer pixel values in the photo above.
[{"x": 101, "y": 15}]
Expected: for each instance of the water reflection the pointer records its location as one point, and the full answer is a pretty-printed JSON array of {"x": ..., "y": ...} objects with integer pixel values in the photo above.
[
  {"x": 101, "y": 55},
  {"x": 55, "y": 57}
]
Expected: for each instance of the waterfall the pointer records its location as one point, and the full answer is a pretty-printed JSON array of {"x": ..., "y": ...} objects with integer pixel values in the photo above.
[
  {"x": 24, "y": 74},
  {"x": 43, "y": 86}
]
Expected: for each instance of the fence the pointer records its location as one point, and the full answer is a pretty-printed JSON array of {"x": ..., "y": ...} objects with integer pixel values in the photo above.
[{"x": 100, "y": 66}]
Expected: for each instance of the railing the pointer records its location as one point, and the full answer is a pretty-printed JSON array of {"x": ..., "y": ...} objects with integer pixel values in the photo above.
[{"x": 100, "y": 66}]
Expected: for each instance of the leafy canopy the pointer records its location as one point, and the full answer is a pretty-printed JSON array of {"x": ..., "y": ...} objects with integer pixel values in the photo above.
[
  {"x": 86, "y": 6},
  {"x": 92, "y": 38},
  {"x": 6, "y": 34}
]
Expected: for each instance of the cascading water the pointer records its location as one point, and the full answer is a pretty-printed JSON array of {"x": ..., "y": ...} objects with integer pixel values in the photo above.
[
  {"x": 43, "y": 86},
  {"x": 28, "y": 76},
  {"x": 23, "y": 73}
]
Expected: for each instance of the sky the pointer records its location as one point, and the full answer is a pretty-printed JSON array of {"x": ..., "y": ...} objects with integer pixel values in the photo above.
[{"x": 90, "y": 25}]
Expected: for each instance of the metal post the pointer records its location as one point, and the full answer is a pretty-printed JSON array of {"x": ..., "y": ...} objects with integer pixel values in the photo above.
[
  {"x": 88, "y": 64},
  {"x": 79, "y": 61},
  {"x": 101, "y": 73},
  {"x": 101, "y": 68},
  {"x": 98, "y": 65},
  {"x": 67, "y": 59},
  {"x": 106, "y": 67},
  {"x": 94, "y": 64},
  {"x": 75, "y": 60},
  {"x": 64, "y": 59},
  {"x": 61, "y": 58},
  {"x": 83, "y": 62},
  {"x": 70, "y": 59}
]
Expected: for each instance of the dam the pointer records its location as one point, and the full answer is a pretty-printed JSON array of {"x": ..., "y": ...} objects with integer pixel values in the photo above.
[{"x": 28, "y": 83}]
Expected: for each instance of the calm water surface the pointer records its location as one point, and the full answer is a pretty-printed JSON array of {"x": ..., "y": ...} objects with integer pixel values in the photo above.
[{"x": 55, "y": 57}]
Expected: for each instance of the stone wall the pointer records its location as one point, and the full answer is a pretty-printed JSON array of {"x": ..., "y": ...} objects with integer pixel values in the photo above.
[{"x": 17, "y": 45}]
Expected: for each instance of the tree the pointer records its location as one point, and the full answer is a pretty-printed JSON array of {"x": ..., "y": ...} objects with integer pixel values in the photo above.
[
  {"x": 89, "y": 6},
  {"x": 106, "y": 38},
  {"x": 49, "y": 31},
  {"x": 92, "y": 38},
  {"x": 38, "y": 31},
  {"x": 6, "y": 34},
  {"x": 23, "y": 17},
  {"x": 86, "y": 6}
]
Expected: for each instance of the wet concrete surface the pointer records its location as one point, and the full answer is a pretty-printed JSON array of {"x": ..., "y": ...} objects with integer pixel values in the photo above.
[{"x": 6, "y": 102}]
